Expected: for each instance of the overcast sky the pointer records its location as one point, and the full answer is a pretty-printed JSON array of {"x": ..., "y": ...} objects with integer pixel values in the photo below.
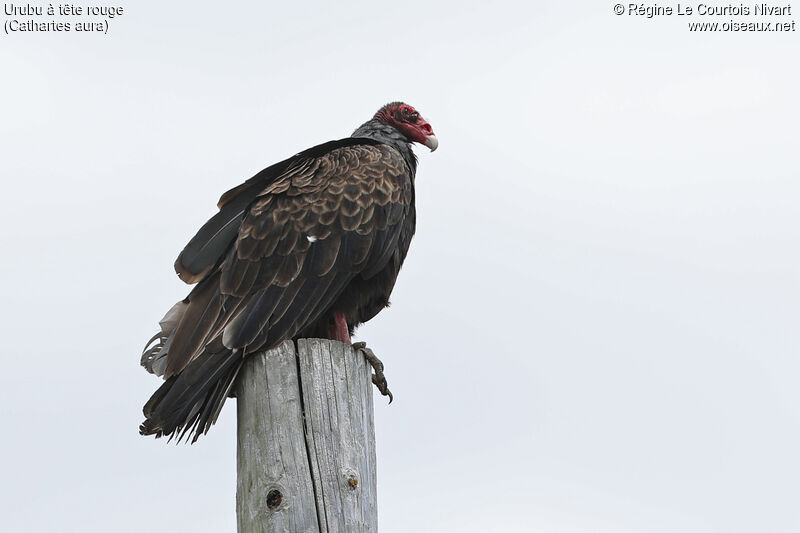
[{"x": 596, "y": 326}]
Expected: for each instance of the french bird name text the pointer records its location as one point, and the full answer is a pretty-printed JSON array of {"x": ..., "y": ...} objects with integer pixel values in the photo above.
[{"x": 91, "y": 18}]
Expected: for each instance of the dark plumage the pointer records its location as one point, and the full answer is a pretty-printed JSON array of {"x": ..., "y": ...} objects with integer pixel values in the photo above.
[{"x": 299, "y": 248}]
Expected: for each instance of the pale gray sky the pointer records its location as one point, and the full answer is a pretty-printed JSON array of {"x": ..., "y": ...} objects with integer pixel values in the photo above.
[{"x": 596, "y": 327}]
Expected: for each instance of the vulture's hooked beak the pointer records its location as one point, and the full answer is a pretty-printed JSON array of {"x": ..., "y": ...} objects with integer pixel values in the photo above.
[{"x": 432, "y": 142}]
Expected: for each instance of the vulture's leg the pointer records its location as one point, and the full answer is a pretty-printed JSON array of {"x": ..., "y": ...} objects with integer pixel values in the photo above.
[
  {"x": 338, "y": 329},
  {"x": 377, "y": 378}
]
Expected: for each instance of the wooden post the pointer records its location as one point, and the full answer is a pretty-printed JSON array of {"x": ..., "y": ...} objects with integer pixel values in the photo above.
[{"x": 306, "y": 441}]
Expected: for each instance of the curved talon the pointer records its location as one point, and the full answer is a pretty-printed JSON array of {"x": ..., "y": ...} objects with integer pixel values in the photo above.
[{"x": 378, "y": 378}]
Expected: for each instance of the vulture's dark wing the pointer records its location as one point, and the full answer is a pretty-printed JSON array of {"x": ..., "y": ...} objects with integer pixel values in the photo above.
[
  {"x": 207, "y": 248},
  {"x": 301, "y": 237}
]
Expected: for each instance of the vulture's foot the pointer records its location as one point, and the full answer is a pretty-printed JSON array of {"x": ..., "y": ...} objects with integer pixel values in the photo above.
[{"x": 377, "y": 378}]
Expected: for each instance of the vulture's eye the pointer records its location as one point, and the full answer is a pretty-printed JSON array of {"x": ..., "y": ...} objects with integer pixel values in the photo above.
[{"x": 404, "y": 111}]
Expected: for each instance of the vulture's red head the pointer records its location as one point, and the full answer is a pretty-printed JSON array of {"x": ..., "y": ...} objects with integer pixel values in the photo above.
[{"x": 409, "y": 122}]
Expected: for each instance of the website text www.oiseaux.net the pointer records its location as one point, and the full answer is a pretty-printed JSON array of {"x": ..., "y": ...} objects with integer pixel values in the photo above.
[{"x": 742, "y": 26}]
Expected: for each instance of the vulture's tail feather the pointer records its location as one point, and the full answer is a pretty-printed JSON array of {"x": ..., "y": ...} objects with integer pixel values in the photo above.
[
  {"x": 154, "y": 357},
  {"x": 190, "y": 402}
]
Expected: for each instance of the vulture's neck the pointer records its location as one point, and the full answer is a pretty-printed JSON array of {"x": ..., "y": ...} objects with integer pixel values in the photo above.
[{"x": 375, "y": 129}]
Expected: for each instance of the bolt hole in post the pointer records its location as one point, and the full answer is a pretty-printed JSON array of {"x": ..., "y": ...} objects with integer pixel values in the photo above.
[{"x": 274, "y": 499}]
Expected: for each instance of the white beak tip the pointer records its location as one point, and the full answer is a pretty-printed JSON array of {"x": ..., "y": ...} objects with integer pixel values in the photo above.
[{"x": 432, "y": 142}]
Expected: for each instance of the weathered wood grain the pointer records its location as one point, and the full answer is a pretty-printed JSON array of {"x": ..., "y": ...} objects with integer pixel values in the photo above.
[{"x": 306, "y": 449}]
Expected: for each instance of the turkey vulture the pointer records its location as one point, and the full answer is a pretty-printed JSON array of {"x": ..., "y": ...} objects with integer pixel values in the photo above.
[{"x": 308, "y": 247}]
